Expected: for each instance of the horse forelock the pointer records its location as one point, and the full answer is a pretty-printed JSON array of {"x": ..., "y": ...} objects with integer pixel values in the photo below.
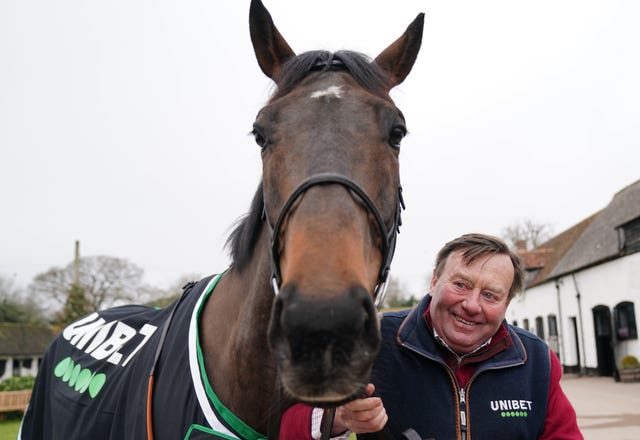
[
  {"x": 244, "y": 237},
  {"x": 366, "y": 73}
]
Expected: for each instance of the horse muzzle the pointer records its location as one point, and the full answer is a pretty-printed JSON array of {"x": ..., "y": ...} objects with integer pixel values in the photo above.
[{"x": 324, "y": 344}]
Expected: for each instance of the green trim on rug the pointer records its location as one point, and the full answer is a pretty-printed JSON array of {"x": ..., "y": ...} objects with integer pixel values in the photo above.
[{"x": 244, "y": 430}]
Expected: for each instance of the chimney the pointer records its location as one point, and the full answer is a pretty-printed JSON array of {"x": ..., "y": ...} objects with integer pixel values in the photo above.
[
  {"x": 76, "y": 265},
  {"x": 521, "y": 246}
]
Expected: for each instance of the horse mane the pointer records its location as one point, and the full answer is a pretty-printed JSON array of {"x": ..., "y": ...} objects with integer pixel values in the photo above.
[
  {"x": 366, "y": 73},
  {"x": 242, "y": 240},
  {"x": 244, "y": 236}
]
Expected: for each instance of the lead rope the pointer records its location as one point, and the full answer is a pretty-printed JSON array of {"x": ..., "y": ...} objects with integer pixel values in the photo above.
[{"x": 327, "y": 423}]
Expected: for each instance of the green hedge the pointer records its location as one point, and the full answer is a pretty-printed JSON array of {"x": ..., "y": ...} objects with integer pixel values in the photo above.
[{"x": 16, "y": 383}]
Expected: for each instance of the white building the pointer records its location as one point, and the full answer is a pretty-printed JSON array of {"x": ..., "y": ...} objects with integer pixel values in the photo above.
[
  {"x": 583, "y": 287},
  {"x": 22, "y": 347}
]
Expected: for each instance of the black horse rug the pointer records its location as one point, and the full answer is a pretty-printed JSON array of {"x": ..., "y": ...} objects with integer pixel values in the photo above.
[{"x": 99, "y": 370}]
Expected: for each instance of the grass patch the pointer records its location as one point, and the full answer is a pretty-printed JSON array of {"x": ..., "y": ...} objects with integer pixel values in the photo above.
[{"x": 9, "y": 429}]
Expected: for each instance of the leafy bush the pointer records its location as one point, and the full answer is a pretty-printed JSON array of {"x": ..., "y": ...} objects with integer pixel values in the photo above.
[
  {"x": 16, "y": 383},
  {"x": 629, "y": 362}
]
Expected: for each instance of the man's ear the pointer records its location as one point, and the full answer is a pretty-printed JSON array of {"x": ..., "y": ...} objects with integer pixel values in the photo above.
[{"x": 434, "y": 280}]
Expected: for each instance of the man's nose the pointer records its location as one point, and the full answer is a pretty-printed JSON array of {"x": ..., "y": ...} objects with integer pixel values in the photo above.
[{"x": 472, "y": 302}]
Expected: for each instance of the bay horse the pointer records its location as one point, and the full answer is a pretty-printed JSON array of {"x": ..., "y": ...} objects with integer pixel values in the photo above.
[{"x": 320, "y": 234}]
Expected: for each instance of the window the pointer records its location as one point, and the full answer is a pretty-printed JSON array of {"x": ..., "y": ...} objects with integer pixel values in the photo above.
[
  {"x": 3, "y": 366},
  {"x": 525, "y": 324},
  {"x": 20, "y": 365},
  {"x": 629, "y": 236},
  {"x": 553, "y": 325},
  {"x": 530, "y": 275},
  {"x": 624, "y": 318},
  {"x": 540, "y": 327}
]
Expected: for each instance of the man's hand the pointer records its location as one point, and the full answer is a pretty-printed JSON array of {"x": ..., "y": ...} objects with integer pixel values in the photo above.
[{"x": 361, "y": 415}]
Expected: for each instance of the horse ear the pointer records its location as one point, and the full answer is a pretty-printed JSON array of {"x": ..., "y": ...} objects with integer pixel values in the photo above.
[
  {"x": 397, "y": 59},
  {"x": 270, "y": 47}
]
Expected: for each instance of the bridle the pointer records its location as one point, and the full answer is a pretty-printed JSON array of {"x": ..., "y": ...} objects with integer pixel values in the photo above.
[
  {"x": 388, "y": 247},
  {"x": 388, "y": 236}
]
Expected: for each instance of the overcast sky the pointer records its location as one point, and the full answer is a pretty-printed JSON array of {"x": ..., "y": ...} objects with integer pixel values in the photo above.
[{"x": 124, "y": 124}]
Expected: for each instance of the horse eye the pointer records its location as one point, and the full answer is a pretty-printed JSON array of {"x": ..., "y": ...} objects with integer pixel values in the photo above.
[
  {"x": 259, "y": 138},
  {"x": 396, "y": 135}
]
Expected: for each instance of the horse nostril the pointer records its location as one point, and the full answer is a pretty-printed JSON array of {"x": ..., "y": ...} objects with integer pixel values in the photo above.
[
  {"x": 371, "y": 316},
  {"x": 275, "y": 332},
  {"x": 323, "y": 331}
]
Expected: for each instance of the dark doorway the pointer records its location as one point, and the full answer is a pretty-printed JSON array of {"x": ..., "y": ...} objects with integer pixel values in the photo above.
[
  {"x": 575, "y": 335},
  {"x": 604, "y": 340}
]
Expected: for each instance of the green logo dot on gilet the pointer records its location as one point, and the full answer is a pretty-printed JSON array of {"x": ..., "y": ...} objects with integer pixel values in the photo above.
[
  {"x": 78, "y": 378},
  {"x": 514, "y": 414}
]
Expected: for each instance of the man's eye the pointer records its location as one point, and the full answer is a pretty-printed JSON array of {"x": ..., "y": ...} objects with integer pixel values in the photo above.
[{"x": 489, "y": 295}]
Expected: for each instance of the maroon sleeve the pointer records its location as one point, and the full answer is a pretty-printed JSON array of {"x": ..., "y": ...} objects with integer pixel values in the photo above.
[
  {"x": 561, "y": 422},
  {"x": 296, "y": 422}
]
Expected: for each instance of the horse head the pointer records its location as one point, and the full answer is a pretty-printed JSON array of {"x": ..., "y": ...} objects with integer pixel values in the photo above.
[{"x": 330, "y": 141}]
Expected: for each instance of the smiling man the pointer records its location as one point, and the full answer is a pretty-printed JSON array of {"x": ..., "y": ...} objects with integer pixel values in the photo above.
[
  {"x": 470, "y": 294},
  {"x": 452, "y": 367}
]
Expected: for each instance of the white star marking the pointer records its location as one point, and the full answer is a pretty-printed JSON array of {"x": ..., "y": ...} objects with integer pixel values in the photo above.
[{"x": 331, "y": 91}]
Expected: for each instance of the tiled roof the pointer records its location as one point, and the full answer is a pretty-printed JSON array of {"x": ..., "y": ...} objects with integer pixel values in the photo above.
[
  {"x": 599, "y": 242},
  {"x": 592, "y": 241},
  {"x": 545, "y": 257},
  {"x": 23, "y": 339}
]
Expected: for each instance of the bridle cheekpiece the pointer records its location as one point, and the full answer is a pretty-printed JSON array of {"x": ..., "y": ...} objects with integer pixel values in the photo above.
[{"x": 388, "y": 236}]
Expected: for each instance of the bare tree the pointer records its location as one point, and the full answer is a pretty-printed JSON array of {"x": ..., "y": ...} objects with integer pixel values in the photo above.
[
  {"x": 102, "y": 281},
  {"x": 527, "y": 232},
  {"x": 398, "y": 295},
  {"x": 15, "y": 306},
  {"x": 160, "y": 297}
]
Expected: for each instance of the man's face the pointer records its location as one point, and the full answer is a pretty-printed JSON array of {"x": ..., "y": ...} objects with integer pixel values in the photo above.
[{"x": 470, "y": 301}]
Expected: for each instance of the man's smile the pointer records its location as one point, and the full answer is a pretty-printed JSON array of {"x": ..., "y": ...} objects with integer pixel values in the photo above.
[{"x": 464, "y": 321}]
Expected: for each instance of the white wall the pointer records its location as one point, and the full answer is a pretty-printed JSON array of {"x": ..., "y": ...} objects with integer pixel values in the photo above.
[
  {"x": 607, "y": 284},
  {"x": 8, "y": 371}
]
